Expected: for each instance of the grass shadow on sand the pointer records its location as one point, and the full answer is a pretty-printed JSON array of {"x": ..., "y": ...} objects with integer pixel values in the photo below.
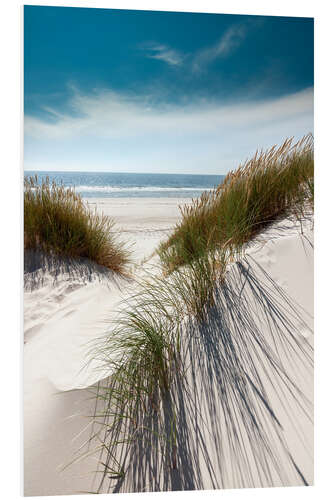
[
  {"x": 39, "y": 266},
  {"x": 225, "y": 423}
]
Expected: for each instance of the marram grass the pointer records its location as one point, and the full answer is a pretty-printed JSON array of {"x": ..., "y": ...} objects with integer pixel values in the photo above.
[
  {"x": 143, "y": 349},
  {"x": 58, "y": 222},
  {"x": 143, "y": 354},
  {"x": 271, "y": 185}
]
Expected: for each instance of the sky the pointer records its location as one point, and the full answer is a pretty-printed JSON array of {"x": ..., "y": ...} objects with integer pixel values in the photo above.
[{"x": 145, "y": 91}]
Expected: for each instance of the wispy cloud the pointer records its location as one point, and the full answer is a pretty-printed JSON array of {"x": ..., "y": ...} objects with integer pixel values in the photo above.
[
  {"x": 108, "y": 113},
  {"x": 229, "y": 41},
  {"x": 112, "y": 131},
  {"x": 164, "y": 53}
]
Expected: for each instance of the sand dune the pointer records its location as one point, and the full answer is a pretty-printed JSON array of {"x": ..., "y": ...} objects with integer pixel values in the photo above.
[{"x": 270, "y": 294}]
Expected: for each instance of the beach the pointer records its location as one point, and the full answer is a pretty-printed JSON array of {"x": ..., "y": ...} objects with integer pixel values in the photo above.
[
  {"x": 168, "y": 250},
  {"x": 141, "y": 222},
  {"x": 67, "y": 310},
  {"x": 61, "y": 317}
]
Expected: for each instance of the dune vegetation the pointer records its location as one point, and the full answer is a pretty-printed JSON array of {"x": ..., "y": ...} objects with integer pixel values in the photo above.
[
  {"x": 269, "y": 186},
  {"x": 143, "y": 348},
  {"x": 58, "y": 222}
]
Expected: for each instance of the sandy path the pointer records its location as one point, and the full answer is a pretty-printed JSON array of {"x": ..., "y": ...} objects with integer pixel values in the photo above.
[{"x": 142, "y": 222}]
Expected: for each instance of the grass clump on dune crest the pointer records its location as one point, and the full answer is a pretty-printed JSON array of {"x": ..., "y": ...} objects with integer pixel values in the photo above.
[
  {"x": 57, "y": 222},
  {"x": 143, "y": 351},
  {"x": 271, "y": 185}
]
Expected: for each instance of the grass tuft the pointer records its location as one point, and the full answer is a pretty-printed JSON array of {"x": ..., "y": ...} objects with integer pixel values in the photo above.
[
  {"x": 141, "y": 353},
  {"x": 57, "y": 222},
  {"x": 271, "y": 185},
  {"x": 144, "y": 350}
]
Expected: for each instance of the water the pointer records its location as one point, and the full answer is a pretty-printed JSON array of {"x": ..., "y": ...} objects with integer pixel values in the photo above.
[{"x": 125, "y": 185}]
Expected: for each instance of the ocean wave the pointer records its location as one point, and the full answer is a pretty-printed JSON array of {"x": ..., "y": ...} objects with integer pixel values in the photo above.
[{"x": 118, "y": 189}]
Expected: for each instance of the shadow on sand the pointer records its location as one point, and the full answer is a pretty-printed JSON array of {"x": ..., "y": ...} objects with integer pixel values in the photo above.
[
  {"x": 39, "y": 266},
  {"x": 235, "y": 417}
]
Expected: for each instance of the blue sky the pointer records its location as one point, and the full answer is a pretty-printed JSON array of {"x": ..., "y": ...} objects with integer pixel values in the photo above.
[{"x": 141, "y": 91}]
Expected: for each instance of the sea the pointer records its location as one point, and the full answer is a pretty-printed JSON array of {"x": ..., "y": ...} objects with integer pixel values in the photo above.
[{"x": 135, "y": 185}]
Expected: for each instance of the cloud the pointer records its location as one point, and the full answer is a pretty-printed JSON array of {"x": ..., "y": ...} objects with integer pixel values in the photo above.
[
  {"x": 228, "y": 42},
  {"x": 164, "y": 53},
  {"x": 107, "y": 130},
  {"x": 111, "y": 114}
]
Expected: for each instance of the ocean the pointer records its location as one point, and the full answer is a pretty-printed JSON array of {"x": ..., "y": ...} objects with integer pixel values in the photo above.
[{"x": 137, "y": 185}]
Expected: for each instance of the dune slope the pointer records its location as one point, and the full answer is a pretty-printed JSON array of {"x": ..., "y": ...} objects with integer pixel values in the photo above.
[{"x": 244, "y": 415}]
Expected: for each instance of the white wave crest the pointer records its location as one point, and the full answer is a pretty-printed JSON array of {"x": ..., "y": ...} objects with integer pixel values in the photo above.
[{"x": 115, "y": 189}]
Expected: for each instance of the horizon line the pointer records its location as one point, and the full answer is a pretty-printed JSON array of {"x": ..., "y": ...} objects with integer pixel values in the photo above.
[{"x": 116, "y": 172}]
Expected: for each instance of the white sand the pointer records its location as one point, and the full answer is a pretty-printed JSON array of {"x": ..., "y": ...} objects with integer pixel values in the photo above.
[
  {"x": 270, "y": 294},
  {"x": 142, "y": 222},
  {"x": 63, "y": 316}
]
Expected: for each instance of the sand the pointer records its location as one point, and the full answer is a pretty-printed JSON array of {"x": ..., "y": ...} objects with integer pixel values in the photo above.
[
  {"x": 62, "y": 316},
  {"x": 66, "y": 313},
  {"x": 142, "y": 222}
]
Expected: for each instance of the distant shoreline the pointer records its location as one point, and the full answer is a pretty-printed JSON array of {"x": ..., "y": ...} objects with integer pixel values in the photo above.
[
  {"x": 132, "y": 185},
  {"x": 29, "y": 172}
]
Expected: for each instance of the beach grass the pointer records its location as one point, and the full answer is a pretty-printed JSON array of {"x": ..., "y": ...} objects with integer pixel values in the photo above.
[
  {"x": 271, "y": 185},
  {"x": 143, "y": 348},
  {"x": 142, "y": 351},
  {"x": 58, "y": 222}
]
